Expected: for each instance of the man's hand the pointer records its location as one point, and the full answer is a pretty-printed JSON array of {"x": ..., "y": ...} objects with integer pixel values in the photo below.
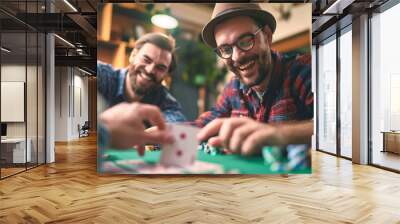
[
  {"x": 125, "y": 125},
  {"x": 247, "y": 136}
]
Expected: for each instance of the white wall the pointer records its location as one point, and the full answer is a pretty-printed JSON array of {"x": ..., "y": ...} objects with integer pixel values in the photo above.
[
  {"x": 33, "y": 127},
  {"x": 12, "y": 101},
  {"x": 14, "y": 73},
  {"x": 80, "y": 100},
  {"x": 71, "y": 93},
  {"x": 61, "y": 103}
]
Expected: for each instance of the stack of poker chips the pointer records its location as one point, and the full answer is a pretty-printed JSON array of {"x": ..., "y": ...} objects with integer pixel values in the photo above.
[
  {"x": 298, "y": 157},
  {"x": 285, "y": 159},
  {"x": 209, "y": 149},
  {"x": 275, "y": 158}
]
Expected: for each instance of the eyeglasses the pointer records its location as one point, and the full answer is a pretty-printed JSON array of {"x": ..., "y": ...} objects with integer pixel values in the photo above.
[{"x": 244, "y": 43}]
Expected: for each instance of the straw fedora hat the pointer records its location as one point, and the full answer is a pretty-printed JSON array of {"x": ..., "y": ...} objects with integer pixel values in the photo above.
[{"x": 224, "y": 11}]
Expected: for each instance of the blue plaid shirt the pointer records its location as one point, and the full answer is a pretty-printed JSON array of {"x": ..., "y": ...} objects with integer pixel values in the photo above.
[{"x": 111, "y": 84}]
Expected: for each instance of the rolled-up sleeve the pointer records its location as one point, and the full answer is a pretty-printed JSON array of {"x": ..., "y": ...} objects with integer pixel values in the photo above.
[
  {"x": 172, "y": 110},
  {"x": 221, "y": 109}
]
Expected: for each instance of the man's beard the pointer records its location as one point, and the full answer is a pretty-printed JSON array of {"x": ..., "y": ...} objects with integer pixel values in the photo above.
[
  {"x": 264, "y": 61},
  {"x": 141, "y": 91}
]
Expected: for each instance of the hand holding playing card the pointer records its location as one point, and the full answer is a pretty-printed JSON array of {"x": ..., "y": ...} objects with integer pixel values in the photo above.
[
  {"x": 124, "y": 123},
  {"x": 183, "y": 151}
]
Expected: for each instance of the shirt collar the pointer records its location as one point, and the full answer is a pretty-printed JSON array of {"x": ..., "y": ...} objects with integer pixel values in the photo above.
[{"x": 122, "y": 86}]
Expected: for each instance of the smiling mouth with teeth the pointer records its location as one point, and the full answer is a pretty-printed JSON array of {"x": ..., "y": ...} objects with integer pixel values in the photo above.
[
  {"x": 247, "y": 65},
  {"x": 145, "y": 76}
]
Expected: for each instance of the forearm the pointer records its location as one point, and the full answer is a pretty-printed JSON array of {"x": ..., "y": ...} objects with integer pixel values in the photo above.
[
  {"x": 298, "y": 132},
  {"x": 204, "y": 119},
  {"x": 218, "y": 111}
]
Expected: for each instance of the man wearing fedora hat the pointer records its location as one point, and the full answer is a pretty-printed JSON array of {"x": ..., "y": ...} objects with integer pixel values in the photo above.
[{"x": 269, "y": 101}]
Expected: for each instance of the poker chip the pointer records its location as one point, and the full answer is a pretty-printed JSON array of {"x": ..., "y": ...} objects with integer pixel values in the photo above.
[
  {"x": 286, "y": 159},
  {"x": 298, "y": 157},
  {"x": 155, "y": 147},
  {"x": 149, "y": 147},
  {"x": 210, "y": 150},
  {"x": 275, "y": 158},
  {"x": 279, "y": 167}
]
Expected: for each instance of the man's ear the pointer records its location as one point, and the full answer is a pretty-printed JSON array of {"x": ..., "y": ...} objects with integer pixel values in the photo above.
[{"x": 268, "y": 34}]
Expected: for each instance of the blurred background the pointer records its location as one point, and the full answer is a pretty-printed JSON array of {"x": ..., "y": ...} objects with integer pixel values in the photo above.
[{"x": 200, "y": 75}]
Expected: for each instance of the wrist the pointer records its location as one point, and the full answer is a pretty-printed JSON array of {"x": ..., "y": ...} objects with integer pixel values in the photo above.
[
  {"x": 103, "y": 136},
  {"x": 105, "y": 121},
  {"x": 280, "y": 137},
  {"x": 108, "y": 127}
]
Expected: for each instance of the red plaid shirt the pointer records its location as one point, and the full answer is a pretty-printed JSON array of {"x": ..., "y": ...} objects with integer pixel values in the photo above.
[{"x": 288, "y": 96}]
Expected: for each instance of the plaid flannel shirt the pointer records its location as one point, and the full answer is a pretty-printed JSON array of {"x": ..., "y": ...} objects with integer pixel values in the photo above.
[
  {"x": 111, "y": 84},
  {"x": 288, "y": 96}
]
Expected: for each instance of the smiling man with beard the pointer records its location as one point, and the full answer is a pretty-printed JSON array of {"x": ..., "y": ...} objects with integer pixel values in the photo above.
[
  {"x": 151, "y": 60},
  {"x": 269, "y": 101}
]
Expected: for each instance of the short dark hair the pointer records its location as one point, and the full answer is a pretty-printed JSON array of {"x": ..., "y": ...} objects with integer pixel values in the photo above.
[{"x": 162, "y": 41}]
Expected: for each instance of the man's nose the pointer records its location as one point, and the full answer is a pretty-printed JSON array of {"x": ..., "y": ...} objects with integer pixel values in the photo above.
[
  {"x": 236, "y": 54},
  {"x": 150, "y": 68}
]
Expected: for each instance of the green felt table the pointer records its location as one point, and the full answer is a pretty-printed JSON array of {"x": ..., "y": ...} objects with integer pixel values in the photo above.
[{"x": 232, "y": 162}]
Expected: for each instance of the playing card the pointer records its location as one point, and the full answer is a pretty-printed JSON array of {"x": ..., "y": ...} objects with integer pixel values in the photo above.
[{"x": 184, "y": 151}]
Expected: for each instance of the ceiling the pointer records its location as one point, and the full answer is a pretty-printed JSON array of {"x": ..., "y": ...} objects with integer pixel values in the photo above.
[
  {"x": 76, "y": 24},
  {"x": 329, "y": 16}
]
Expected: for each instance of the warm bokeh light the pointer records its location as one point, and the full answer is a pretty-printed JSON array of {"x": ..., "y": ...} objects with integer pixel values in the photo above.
[{"x": 164, "y": 21}]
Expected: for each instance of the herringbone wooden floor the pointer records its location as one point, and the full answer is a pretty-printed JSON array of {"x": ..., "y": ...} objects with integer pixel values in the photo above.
[{"x": 70, "y": 191}]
